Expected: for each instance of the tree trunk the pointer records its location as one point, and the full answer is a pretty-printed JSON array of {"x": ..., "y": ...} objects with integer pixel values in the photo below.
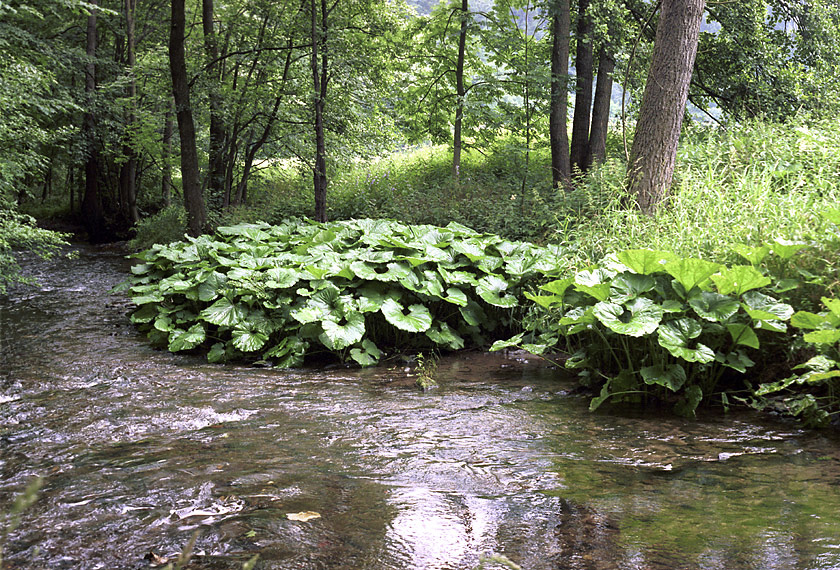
[
  {"x": 558, "y": 115},
  {"x": 583, "y": 89},
  {"x": 166, "y": 152},
  {"x": 654, "y": 152},
  {"x": 93, "y": 216},
  {"x": 216, "y": 166},
  {"x": 319, "y": 79},
  {"x": 128, "y": 171},
  {"x": 460, "y": 90},
  {"x": 193, "y": 199},
  {"x": 601, "y": 110}
]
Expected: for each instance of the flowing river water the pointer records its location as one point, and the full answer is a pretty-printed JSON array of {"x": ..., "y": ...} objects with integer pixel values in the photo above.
[{"x": 139, "y": 449}]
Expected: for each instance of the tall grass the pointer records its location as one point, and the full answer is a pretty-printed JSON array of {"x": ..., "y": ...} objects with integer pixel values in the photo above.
[{"x": 748, "y": 185}]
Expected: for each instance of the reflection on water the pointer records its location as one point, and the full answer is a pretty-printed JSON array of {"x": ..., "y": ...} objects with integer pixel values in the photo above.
[{"x": 140, "y": 449}]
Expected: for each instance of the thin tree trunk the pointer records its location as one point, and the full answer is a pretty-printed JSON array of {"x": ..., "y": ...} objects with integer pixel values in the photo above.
[
  {"x": 583, "y": 89},
  {"x": 128, "y": 171},
  {"x": 319, "y": 79},
  {"x": 193, "y": 199},
  {"x": 601, "y": 110},
  {"x": 216, "y": 156},
  {"x": 558, "y": 116},
  {"x": 654, "y": 151},
  {"x": 93, "y": 216},
  {"x": 460, "y": 90},
  {"x": 166, "y": 153}
]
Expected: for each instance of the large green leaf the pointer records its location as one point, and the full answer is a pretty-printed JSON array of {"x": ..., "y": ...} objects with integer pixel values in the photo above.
[
  {"x": 594, "y": 282},
  {"x": 224, "y": 312},
  {"x": 367, "y": 355},
  {"x": 743, "y": 334},
  {"x": 418, "y": 319},
  {"x": 212, "y": 286},
  {"x": 339, "y": 336},
  {"x": 545, "y": 301},
  {"x": 691, "y": 272},
  {"x": 282, "y": 277},
  {"x": 645, "y": 261},
  {"x": 558, "y": 286},
  {"x": 827, "y": 336},
  {"x": 442, "y": 334},
  {"x": 248, "y": 340},
  {"x": 786, "y": 248},
  {"x": 514, "y": 341},
  {"x": 628, "y": 286},
  {"x": 754, "y": 254},
  {"x": 739, "y": 279},
  {"x": 763, "y": 307},
  {"x": 671, "y": 376},
  {"x": 676, "y": 337},
  {"x": 637, "y": 317},
  {"x": 474, "y": 315},
  {"x": 806, "y": 320},
  {"x": 714, "y": 306},
  {"x": 186, "y": 339},
  {"x": 492, "y": 289}
]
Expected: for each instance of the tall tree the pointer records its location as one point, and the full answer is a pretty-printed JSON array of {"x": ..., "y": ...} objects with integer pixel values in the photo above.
[
  {"x": 193, "y": 198},
  {"x": 460, "y": 90},
  {"x": 558, "y": 116},
  {"x": 597, "y": 149},
  {"x": 584, "y": 74},
  {"x": 92, "y": 213},
  {"x": 216, "y": 158},
  {"x": 320, "y": 78},
  {"x": 654, "y": 151},
  {"x": 128, "y": 170}
]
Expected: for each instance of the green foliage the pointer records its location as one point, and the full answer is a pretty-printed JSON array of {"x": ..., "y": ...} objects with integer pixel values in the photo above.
[
  {"x": 168, "y": 225},
  {"x": 349, "y": 288},
  {"x": 820, "y": 379},
  {"x": 18, "y": 231},
  {"x": 426, "y": 370},
  {"x": 647, "y": 323},
  {"x": 417, "y": 187}
]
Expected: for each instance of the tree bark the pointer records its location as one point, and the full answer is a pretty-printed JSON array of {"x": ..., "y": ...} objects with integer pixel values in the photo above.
[
  {"x": 166, "y": 152},
  {"x": 93, "y": 216},
  {"x": 601, "y": 109},
  {"x": 128, "y": 171},
  {"x": 558, "y": 115},
  {"x": 583, "y": 89},
  {"x": 216, "y": 157},
  {"x": 654, "y": 151},
  {"x": 319, "y": 80},
  {"x": 193, "y": 199},
  {"x": 460, "y": 90}
]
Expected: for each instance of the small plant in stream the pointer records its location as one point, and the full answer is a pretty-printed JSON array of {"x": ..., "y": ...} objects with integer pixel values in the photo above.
[{"x": 426, "y": 370}]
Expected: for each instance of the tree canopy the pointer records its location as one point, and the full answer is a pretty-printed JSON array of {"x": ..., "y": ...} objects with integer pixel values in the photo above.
[{"x": 88, "y": 111}]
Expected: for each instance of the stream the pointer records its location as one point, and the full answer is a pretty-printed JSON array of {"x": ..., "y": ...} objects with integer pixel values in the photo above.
[{"x": 139, "y": 450}]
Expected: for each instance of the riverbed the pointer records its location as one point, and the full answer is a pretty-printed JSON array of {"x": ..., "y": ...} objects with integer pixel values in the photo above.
[{"x": 140, "y": 450}]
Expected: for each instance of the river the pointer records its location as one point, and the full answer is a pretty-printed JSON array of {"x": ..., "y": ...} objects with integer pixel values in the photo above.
[{"x": 139, "y": 450}]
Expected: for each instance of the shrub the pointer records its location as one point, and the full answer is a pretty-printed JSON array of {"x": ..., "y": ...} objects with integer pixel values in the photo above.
[{"x": 350, "y": 288}]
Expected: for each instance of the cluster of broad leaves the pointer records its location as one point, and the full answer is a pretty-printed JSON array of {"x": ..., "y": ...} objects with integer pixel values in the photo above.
[
  {"x": 354, "y": 288},
  {"x": 646, "y": 323},
  {"x": 820, "y": 373}
]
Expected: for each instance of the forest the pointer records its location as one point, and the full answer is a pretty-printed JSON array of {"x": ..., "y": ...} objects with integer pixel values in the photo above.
[{"x": 648, "y": 188}]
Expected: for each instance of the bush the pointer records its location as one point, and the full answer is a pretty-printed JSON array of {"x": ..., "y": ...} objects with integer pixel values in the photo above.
[{"x": 348, "y": 288}]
